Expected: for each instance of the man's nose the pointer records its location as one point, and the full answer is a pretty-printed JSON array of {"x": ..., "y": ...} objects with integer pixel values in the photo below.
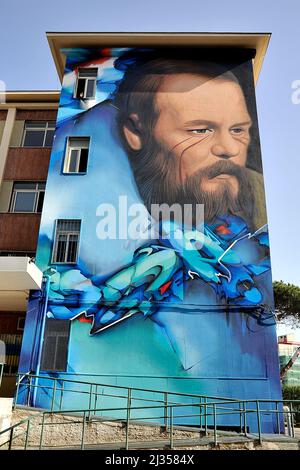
[{"x": 225, "y": 146}]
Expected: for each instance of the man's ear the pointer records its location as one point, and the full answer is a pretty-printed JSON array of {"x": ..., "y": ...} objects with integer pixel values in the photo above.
[{"x": 132, "y": 132}]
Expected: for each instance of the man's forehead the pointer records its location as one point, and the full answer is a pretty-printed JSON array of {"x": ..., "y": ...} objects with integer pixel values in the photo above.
[
  {"x": 181, "y": 90},
  {"x": 184, "y": 82}
]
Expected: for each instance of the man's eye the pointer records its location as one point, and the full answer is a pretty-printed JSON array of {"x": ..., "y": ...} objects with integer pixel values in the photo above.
[
  {"x": 200, "y": 131},
  {"x": 237, "y": 130}
]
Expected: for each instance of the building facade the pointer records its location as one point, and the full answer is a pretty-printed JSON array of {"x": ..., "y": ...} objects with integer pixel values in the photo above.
[
  {"x": 289, "y": 358},
  {"x": 153, "y": 239},
  {"x": 27, "y": 122}
]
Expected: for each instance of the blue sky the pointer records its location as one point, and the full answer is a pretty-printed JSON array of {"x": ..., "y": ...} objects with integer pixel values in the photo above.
[{"x": 27, "y": 64}]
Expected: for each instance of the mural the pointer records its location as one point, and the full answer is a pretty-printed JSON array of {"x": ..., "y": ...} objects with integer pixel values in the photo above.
[{"x": 172, "y": 279}]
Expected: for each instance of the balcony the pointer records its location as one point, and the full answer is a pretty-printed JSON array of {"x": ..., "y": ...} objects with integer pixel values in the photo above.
[
  {"x": 17, "y": 276},
  {"x": 27, "y": 163},
  {"x": 19, "y": 232}
]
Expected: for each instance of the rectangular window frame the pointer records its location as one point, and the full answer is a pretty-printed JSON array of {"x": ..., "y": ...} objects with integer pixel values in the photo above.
[
  {"x": 44, "y": 128},
  {"x": 87, "y": 79},
  {"x": 21, "y": 323},
  {"x": 69, "y": 148},
  {"x": 35, "y": 190},
  {"x": 56, "y": 336},
  {"x": 69, "y": 234}
]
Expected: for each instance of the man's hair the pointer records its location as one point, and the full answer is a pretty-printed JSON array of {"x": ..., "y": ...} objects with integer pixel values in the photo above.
[{"x": 141, "y": 82}]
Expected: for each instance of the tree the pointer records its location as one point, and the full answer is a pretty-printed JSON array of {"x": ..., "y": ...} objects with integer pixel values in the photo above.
[{"x": 287, "y": 303}]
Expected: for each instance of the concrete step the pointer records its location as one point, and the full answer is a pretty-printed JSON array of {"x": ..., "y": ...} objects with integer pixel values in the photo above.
[
  {"x": 65, "y": 432},
  {"x": 207, "y": 442}
]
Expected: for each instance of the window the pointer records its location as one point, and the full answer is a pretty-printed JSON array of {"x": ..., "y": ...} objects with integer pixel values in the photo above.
[
  {"x": 38, "y": 134},
  {"x": 76, "y": 157},
  {"x": 56, "y": 343},
  {"x": 21, "y": 324},
  {"x": 86, "y": 83},
  {"x": 10, "y": 352},
  {"x": 66, "y": 241},
  {"x": 27, "y": 197}
]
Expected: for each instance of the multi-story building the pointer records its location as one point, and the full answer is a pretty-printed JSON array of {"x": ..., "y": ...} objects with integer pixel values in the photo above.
[
  {"x": 289, "y": 358},
  {"x": 153, "y": 239},
  {"x": 27, "y": 123}
]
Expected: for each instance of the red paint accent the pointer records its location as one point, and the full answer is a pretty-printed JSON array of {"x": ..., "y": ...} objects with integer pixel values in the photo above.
[
  {"x": 83, "y": 319},
  {"x": 106, "y": 52},
  {"x": 92, "y": 62},
  {"x": 164, "y": 287},
  {"x": 223, "y": 230}
]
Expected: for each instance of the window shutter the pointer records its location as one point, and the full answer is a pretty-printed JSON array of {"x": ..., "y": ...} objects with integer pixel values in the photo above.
[{"x": 56, "y": 343}]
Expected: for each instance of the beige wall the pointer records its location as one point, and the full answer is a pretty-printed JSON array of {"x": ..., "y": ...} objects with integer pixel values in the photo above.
[
  {"x": 2, "y": 124},
  {"x": 5, "y": 195},
  {"x": 16, "y": 138},
  {"x": 5, "y": 416},
  {"x": 6, "y": 138}
]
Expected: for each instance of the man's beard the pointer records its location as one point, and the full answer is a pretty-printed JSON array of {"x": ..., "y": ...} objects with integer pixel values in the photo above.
[{"x": 156, "y": 174}]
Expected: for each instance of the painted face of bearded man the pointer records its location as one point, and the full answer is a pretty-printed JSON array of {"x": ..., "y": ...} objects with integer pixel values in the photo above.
[{"x": 187, "y": 135}]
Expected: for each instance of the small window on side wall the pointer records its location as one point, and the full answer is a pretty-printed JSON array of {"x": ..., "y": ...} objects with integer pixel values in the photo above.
[
  {"x": 86, "y": 83},
  {"x": 66, "y": 241},
  {"x": 76, "y": 157},
  {"x": 55, "y": 346}
]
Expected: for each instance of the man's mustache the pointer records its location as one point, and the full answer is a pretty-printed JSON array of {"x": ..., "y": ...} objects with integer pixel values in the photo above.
[
  {"x": 218, "y": 168},
  {"x": 155, "y": 172}
]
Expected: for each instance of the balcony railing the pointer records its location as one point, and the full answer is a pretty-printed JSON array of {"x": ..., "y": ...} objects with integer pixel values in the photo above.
[{"x": 13, "y": 344}]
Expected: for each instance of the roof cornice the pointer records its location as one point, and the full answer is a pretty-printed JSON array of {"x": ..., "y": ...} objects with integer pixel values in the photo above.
[
  {"x": 29, "y": 99},
  {"x": 58, "y": 41}
]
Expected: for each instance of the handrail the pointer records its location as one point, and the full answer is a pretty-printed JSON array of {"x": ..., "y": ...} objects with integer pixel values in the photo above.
[
  {"x": 122, "y": 387},
  {"x": 214, "y": 406},
  {"x": 209, "y": 406},
  {"x": 22, "y": 377},
  {"x": 175, "y": 405},
  {"x": 191, "y": 395}
]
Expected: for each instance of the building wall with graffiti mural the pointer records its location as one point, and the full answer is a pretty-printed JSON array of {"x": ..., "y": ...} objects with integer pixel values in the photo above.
[{"x": 154, "y": 239}]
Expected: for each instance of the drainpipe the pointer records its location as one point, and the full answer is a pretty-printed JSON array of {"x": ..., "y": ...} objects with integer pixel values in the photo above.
[{"x": 41, "y": 337}]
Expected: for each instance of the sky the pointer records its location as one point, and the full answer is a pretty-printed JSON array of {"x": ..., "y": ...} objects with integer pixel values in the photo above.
[{"x": 26, "y": 64}]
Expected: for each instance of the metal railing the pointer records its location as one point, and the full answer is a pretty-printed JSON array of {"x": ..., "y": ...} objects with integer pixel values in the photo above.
[
  {"x": 59, "y": 390},
  {"x": 163, "y": 408},
  {"x": 19, "y": 433},
  {"x": 12, "y": 344},
  {"x": 58, "y": 393}
]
